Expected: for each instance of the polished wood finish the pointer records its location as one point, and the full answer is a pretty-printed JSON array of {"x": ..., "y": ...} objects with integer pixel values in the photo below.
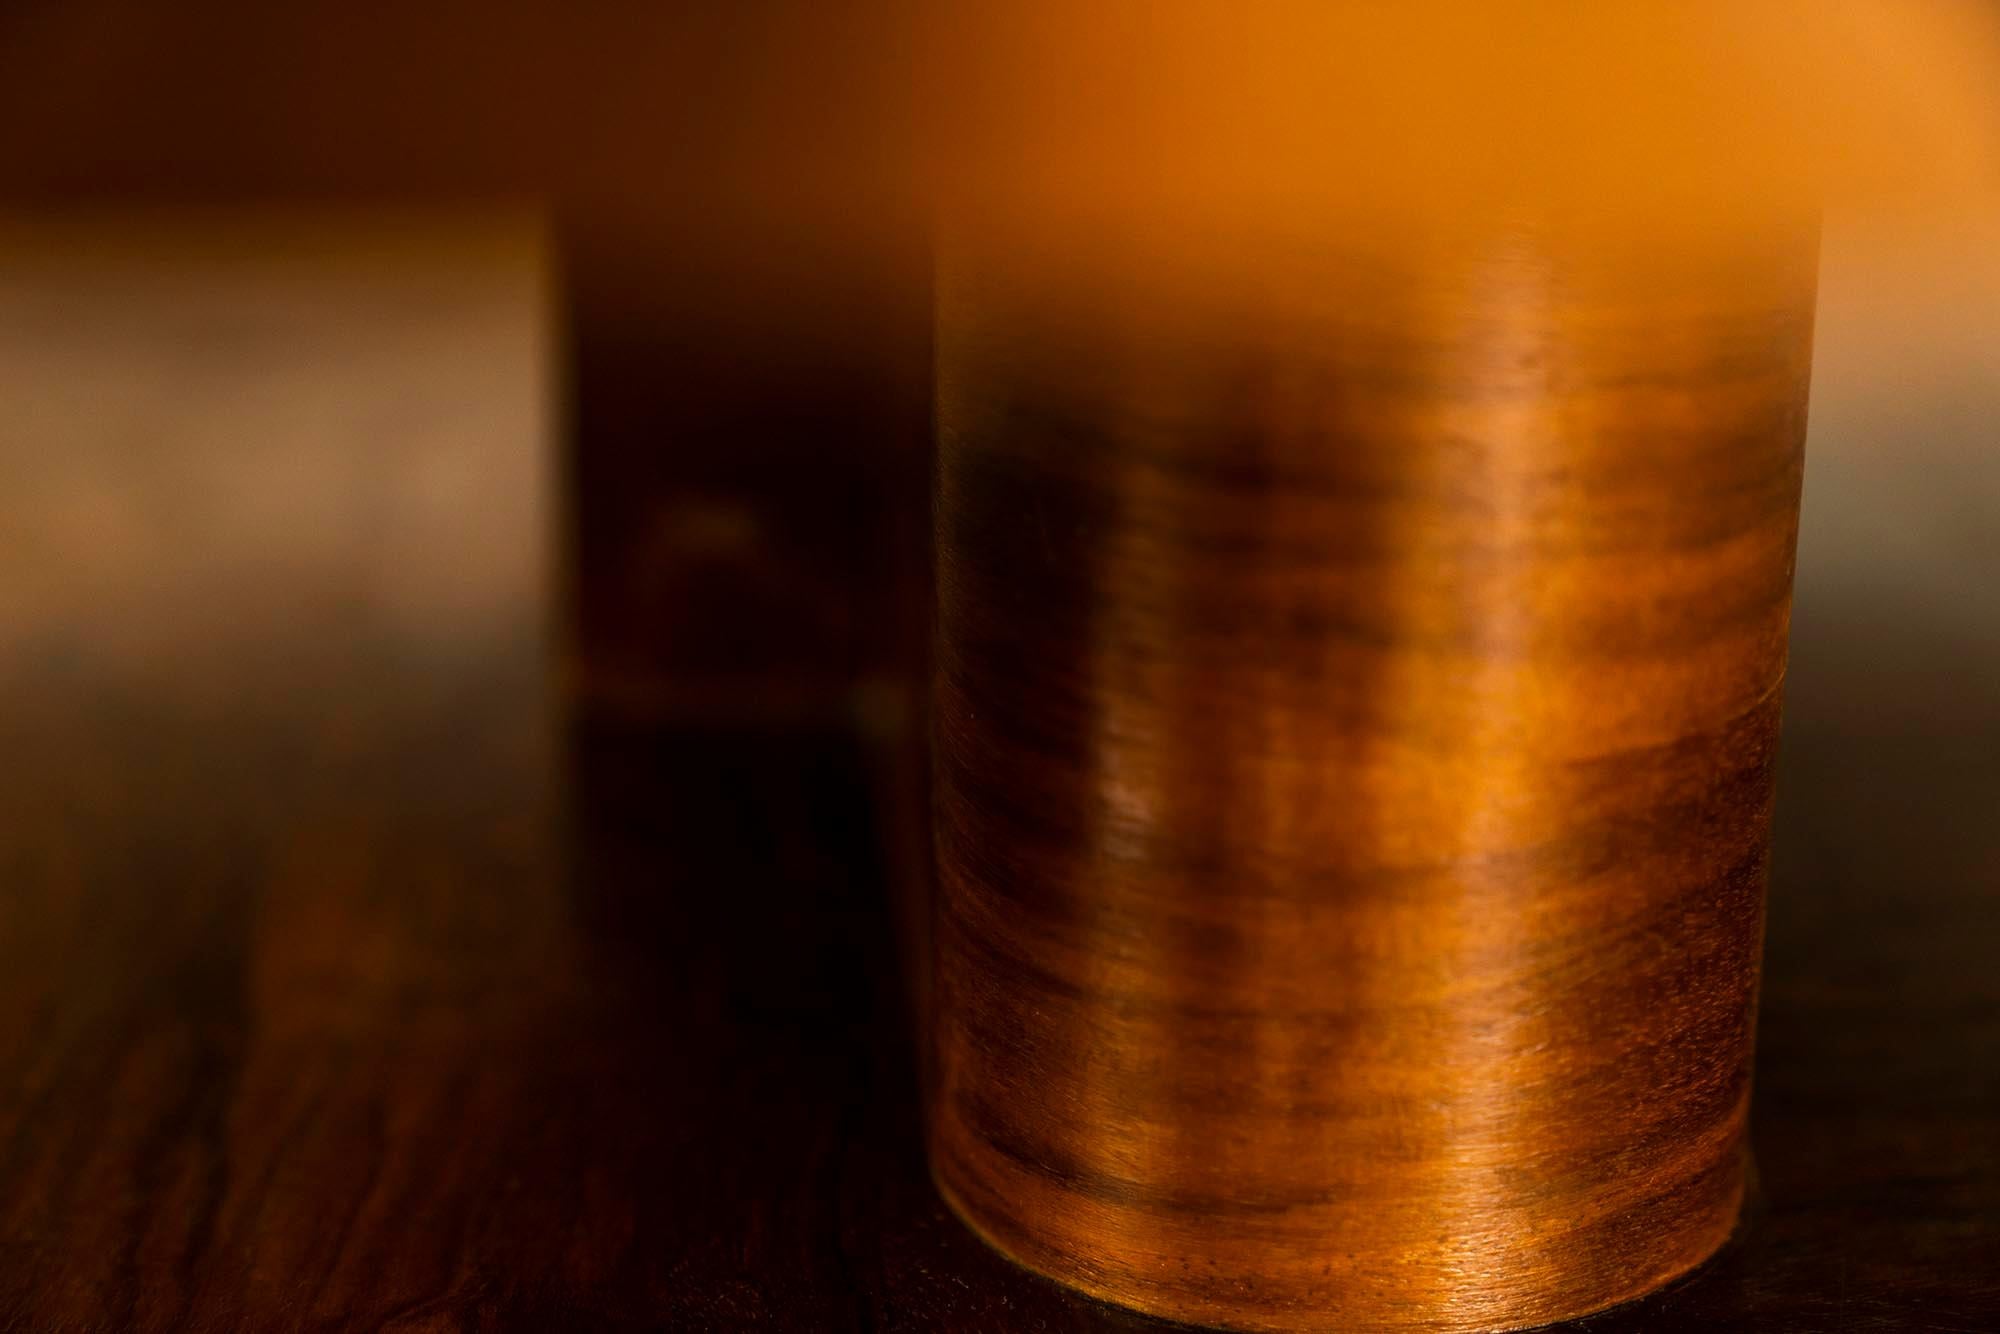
[
  {"x": 349, "y": 983},
  {"x": 1356, "y": 707}
]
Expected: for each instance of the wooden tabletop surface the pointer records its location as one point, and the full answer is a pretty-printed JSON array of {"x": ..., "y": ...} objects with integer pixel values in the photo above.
[{"x": 353, "y": 976}]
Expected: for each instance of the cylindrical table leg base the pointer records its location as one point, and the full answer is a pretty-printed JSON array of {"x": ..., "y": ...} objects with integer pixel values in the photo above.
[{"x": 1355, "y": 707}]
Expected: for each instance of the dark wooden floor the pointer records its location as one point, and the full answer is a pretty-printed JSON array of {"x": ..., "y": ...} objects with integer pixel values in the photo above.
[{"x": 354, "y": 975}]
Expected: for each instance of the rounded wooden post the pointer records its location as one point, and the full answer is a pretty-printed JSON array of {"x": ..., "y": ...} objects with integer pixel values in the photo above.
[{"x": 1356, "y": 693}]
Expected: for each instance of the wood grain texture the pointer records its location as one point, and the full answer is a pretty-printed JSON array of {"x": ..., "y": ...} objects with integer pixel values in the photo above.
[
  {"x": 342, "y": 989},
  {"x": 1356, "y": 710}
]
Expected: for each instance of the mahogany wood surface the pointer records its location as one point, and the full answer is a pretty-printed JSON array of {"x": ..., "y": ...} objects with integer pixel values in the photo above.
[
  {"x": 1355, "y": 716},
  {"x": 349, "y": 980}
]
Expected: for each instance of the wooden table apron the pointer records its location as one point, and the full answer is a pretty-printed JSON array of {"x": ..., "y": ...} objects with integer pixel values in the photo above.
[{"x": 1356, "y": 699}]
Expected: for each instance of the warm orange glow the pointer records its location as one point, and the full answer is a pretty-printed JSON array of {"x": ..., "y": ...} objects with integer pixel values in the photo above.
[{"x": 1302, "y": 114}]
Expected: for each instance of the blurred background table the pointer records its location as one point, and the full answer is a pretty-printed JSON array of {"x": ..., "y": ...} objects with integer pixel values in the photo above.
[{"x": 378, "y": 952}]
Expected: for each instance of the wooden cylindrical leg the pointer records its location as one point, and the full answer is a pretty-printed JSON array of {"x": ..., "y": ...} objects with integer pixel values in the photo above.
[{"x": 1356, "y": 697}]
